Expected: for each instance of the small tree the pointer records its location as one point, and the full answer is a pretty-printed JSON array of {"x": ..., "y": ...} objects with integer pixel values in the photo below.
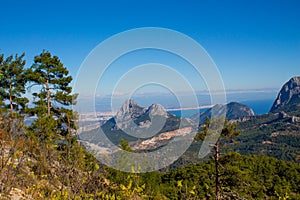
[
  {"x": 229, "y": 131},
  {"x": 13, "y": 81},
  {"x": 53, "y": 101},
  {"x": 54, "y": 97}
]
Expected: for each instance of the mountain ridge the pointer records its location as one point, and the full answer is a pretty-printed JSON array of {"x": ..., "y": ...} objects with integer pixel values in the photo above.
[
  {"x": 288, "y": 97},
  {"x": 232, "y": 110},
  {"x": 143, "y": 122}
]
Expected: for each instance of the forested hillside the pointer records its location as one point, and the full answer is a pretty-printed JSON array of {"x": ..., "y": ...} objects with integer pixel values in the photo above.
[{"x": 44, "y": 159}]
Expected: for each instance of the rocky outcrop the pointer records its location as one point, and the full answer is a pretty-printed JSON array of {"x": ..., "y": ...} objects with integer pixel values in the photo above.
[
  {"x": 156, "y": 109},
  {"x": 288, "y": 96},
  {"x": 289, "y": 118},
  {"x": 236, "y": 110},
  {"x": 131, "y": 115},
  {"x": 231, "y": 110},
  {"x": 129, "y": 111}
]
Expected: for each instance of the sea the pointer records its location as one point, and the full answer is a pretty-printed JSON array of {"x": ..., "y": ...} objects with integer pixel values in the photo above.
[{"x": 258, "y": 106}]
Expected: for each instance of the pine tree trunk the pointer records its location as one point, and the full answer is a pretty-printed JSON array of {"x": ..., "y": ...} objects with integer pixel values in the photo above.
[
  {"x": 10, "y": 97},
  {"x": 48, "y": 96},
  {"x": 217, "y": 154}
]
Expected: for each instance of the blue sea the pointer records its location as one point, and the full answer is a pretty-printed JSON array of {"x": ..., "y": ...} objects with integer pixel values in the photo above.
[
  {"x": 186, "y": 113},
  {"x": 258, "y": 106}
]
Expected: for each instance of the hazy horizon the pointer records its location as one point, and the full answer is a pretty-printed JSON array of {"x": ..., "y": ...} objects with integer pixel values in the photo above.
[{"x": 103, "y": 104}]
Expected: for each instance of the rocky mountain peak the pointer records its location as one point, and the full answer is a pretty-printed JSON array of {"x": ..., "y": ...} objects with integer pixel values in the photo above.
[
  {"x": 236, "y": 109},
  {"x": 289, "y": 93},
  {"x": 130, "y": 109},
  {"x": 132, "y": 122},
  {"x": 128, "y": 105},
  {"x": 156, "y": 109}
]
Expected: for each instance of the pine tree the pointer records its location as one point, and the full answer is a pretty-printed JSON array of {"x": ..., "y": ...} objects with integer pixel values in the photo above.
[
  {"x": 13, "y": 81},
  {"x": 54, "y": 99},
  {"x": 229, "y": 131},
  {"x": 55, "y": 124}
]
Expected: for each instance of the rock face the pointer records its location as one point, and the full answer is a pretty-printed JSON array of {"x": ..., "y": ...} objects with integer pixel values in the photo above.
[
  {"x": 129, "y": 112},
  {"x": 233, "y": 110},
  {"x": 130, "y": 109},
  {"x": 288, "y": 97},
  {"x": 131, "y": 115},
  {"x": 156, "y": 109}
]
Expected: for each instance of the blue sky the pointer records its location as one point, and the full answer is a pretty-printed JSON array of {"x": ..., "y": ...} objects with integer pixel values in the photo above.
[{"x": 255, "y": 44}]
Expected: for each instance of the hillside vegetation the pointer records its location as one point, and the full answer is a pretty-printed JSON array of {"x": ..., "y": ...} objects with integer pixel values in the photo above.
[{"x": 44, "y": 159}]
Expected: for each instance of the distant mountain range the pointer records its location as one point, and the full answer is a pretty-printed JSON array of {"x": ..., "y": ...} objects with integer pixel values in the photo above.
[
  {"x": 135, "y": 123},
  {"x": 152, "y": 127},
  {"x": 276, "y": 133}
]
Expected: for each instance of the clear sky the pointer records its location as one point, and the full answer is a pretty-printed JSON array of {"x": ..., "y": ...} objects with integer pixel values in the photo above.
[{"x": 255, "y": 44}]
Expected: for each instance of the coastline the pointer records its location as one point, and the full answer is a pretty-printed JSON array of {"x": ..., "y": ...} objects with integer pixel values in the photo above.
[{"x": 190, "y": 108}]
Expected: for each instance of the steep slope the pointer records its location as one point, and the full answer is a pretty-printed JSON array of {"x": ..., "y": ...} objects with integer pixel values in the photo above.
[
  {"x": 233, "y": 110},
  {"x": 272, "y": 134},
  {"x": 276, "y": 133},
  {"x": 288, "y": 98}
]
